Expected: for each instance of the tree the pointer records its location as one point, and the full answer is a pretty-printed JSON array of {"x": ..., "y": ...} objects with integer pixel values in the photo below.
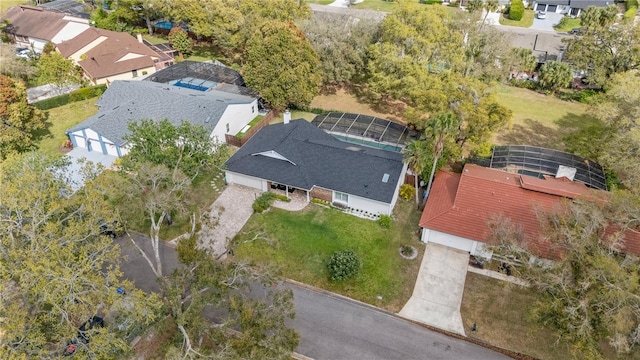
[
  {"x": 56, "y": 269},
  {"x": 123, "y": 18},
  {"x": 55, "y": 69},
  {"x": 605, "y": 47},
  {"x": 555, "y": 75},
  {"x": 180, "y": 40},
  {"x": 18, "y": 120},
  {"x": 589, "y": 294},
  {"x": 516, "y": 10},
  {"x": 249, "y": 326},
  {"x": 186, "y": 147},
  {"x": 282, "y": 66},
  {"x": 521, "y": 59},
  {"x": 49, "y": 47},
  {"x": 439, "y": 129},
  {"x": 148, "y": 10},
  {"x": 341, "y": 45},
  {"x": 416, "y": 154}
]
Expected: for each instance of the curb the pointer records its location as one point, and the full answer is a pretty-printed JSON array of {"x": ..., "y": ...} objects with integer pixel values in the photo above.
[{"x": 510, "y": 353}]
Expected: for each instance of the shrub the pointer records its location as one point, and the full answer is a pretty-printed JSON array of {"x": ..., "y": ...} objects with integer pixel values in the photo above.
[
  {"x": 385, "y": 221},
  {"x": 281, "y": 197},
  {"x": 320, "y": 201},
  {"x": 64, "y": 99},
  {"x": 516, "y": 10},
  {"x": 632, "y": 9},
  {"x": 343, "y": 265},
  {"x": 263, "y": 202},
  {"x": 407, "y": 191}
]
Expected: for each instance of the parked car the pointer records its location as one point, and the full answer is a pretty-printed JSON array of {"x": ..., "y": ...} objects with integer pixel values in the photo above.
[
  {"x": 23, "y": 53},
  {"x": 541, "y": 14},
  {"x": 111, "y": 229},
  {"x": 84, "y": 334}
]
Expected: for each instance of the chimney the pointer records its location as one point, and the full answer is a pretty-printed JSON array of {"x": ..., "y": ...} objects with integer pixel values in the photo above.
[
  {"x": 139, "y": 36},
  {"x": 287, "y": 116}
]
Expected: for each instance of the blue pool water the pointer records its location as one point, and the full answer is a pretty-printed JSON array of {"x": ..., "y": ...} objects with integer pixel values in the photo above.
[
  {"x": 363, "y": 142},
  {"x": 190, "y": 86},
  {"x": 168, "y": 25}
]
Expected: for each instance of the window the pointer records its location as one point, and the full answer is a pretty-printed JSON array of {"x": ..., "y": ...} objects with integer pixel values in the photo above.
[
  {"x": 253, "y": 109},
  {"x": 341, "y": 197},
  {"x": 134, "y": 73},
  {"x": 228, "y": 127}
]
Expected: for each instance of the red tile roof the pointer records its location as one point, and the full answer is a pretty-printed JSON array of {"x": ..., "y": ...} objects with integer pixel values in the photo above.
[{"x": 463, "y": 204}]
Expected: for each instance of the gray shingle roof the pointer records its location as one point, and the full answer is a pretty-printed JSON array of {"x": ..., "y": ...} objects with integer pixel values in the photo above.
[
  {"x": 318, "y": 159},
  {"x": 125, "y": 101}
]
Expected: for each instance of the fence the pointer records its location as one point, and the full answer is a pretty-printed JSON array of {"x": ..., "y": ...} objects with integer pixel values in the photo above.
[{"x": 239, "y": 141}]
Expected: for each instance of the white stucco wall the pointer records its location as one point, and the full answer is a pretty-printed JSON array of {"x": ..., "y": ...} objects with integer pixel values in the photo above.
[
  {"x": 250, "y": 181},
  {"x": 237, "y": 116},
  {"x": 453, "y": 241},
  {"x": 38, "y": 44},
  {"x": 71, "y": 30},
  {"x": 398, "y": 185},
  {"x": 127, "y": 76},
  {"x": 364, "y": 204}
]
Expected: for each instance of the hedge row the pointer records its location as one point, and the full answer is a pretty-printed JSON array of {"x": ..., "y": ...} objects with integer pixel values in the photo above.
[{"x": 78, "y": 95}]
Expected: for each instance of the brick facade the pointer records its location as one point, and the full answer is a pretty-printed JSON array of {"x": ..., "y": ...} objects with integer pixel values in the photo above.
[{"x": 321, "y": 193}]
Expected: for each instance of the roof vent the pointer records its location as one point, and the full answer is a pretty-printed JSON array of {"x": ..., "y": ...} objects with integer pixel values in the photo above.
[
  {"x": 207, "y": 119},
  {"x": 385, "y": 178},
  {"x": 353, "y": 148}
]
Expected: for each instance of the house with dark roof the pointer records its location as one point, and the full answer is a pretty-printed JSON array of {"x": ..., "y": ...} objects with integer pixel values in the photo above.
[
  {"x": 106, "y": 56},
  {"x": 569, "y": 7},
  {"x": 298, "y": 155},
  {"x": 125, "y": 101},
  {"x": 461, "y": 207},
  {"x": 31, "y": 26}
]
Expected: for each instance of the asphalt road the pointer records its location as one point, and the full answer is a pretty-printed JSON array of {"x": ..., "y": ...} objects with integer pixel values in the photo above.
[{"x": 331, "y": 326}]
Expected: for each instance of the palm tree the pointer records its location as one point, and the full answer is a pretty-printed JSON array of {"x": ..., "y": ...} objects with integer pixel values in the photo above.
[
  {"x": 415, "y": 154},
  {"x": 439, "y": 128},
  {"x": 489, "y": 6}
]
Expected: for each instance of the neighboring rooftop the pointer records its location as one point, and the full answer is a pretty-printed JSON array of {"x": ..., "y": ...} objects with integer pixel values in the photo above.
[
  {"x": 300, "y": 155},
  {"x": 69, "y": 7},
  {"x": 538, "y": 161},
  {"x": 34, "y": 22},
  {"x": 125, "y": 101},
  {"x": 464, "y": 204},
  {"x": 116, "y": 53}
]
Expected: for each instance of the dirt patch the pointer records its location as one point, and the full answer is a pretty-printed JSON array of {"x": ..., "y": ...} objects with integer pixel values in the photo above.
[{"x": 347, "y": 101}]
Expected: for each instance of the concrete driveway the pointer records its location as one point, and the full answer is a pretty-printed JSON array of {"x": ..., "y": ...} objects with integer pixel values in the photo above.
[
  {"x": 438, "y": 292},
  {"x": 548, "y": 23}
]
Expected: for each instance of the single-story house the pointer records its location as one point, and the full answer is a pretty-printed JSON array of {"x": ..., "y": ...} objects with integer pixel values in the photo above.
[
  {"x": 125, "y": 101},
  {"x": 70, "y": 7},
  {"x": 106, "y": 56},
  {"x": 301, "y": 156},
  {"x": 460, "y": 206},
  {"x": 569, "y": 7},
  {"x": 31, "y": 26}
]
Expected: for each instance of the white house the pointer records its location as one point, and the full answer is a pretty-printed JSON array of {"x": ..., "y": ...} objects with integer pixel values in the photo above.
[
  {"x": 32, "y": 26},
  {"x": 298, "y": 155},
  {"x": 126, "y": 101}
]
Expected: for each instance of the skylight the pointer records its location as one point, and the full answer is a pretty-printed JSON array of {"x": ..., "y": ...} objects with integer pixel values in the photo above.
[{"x": 385, "y": 178}]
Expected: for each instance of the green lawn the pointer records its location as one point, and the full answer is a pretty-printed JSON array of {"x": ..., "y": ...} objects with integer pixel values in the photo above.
[
  {"x": 5, "y": 4},
  {"x": 306, "y": 240},
  {"x": 526, "y": 21},
  {"x": 205, "y": 52},
  {"x": 567, "y": 23},
  {"x": 61, "y": 119},
  {"x": 253, "y": 122},
  {"x": 501, "y": 311},
  {"x": 320, "y": 2},
  {"x": 540, "y": 120},
  {"x": 295, "y": 114},
  {"x": 154, "y": 39}
]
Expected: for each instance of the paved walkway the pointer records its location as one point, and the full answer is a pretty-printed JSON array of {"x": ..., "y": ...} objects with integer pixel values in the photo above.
[
  {"x": 438, "y": 292},
  {"x": 230, "y": 212}
]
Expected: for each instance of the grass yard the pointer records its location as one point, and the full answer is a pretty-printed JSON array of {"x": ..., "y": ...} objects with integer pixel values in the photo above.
[
  {"x": 345, "y": 101},
  {"x": 61, "y": 119},
  {"x": 567, "y": 23},
  {"x": 320, "y": 2},
  {"x": 306, "y": 240},
  {"x": 501, "y": 311},
  {"x": 295, "y": 114},
  {"x": 5, "y": 4},
  {"x": 540, "y": 120},
  {"x": 204, "y": 53},
  {"x": 155, "y": 39},
  {"x": 526, "y": 21}
]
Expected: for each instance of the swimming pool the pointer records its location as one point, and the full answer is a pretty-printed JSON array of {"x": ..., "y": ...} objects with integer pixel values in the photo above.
[{"x": 373, "y": 144}]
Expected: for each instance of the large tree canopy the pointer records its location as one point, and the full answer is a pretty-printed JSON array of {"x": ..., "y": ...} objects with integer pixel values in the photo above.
[
  {"x": 56, "y": 269},
  {"x": 605, "y": 47},
  {"x": 18, "y": 120},
  {"x": 282, "y": 66}
]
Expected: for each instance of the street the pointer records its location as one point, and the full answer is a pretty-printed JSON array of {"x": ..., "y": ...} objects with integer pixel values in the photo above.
[{"x": 331, "y": 326}]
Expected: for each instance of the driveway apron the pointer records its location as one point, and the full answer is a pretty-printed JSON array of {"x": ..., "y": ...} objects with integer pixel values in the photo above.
[{"x": 438, "y": 292}]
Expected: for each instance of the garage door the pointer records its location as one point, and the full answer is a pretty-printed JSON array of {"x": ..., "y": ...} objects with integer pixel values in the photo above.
[
  {"x": 453, "y": 241},
  {"x": 541, "y": 7},
  {"x": 552, "y": 8},
  {"x": 233, "y": 178}
]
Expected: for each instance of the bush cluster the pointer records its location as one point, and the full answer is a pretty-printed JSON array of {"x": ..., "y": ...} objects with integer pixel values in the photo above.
[
  {"x": 263, "y": 202},
  {"x": 516, "y": 10},
  {"x": 384, "y": 221},
  {"x": 407, "y": 191},
  {"x": 78, "y": 95},
  {"x": 343, "y": 265}
]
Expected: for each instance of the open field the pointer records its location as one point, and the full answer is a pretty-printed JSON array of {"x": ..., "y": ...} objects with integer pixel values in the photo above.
[
  {"x": 306, "y": 240},
  {"x": 61, "y": 119},
  {"x": 540, "y": 120}
]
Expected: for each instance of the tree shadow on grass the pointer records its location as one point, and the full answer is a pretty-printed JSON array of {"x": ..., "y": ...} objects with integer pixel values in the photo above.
[
  {"x": 377, "y": 104},
  {"x": 44, "y": 133},
  {"x": 537, "y": 133}
]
